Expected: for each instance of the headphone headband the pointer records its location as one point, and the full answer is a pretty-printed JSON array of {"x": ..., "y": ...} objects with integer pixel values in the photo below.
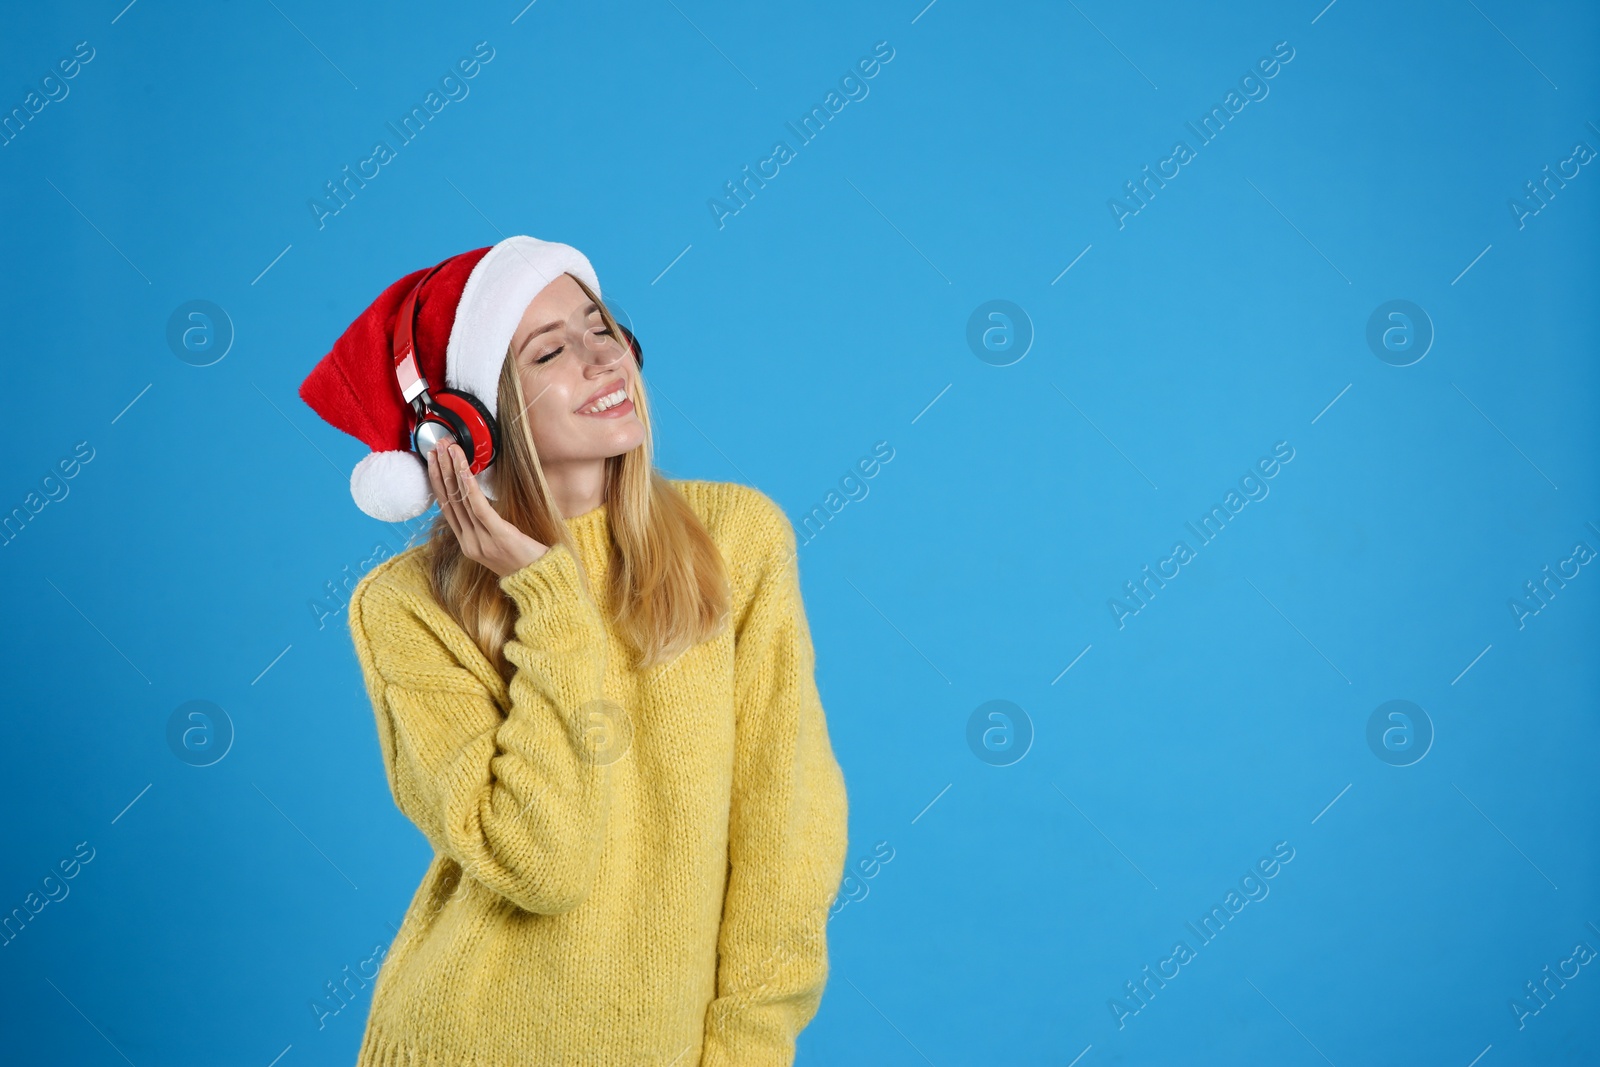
[{"x": 412, "y": 383}]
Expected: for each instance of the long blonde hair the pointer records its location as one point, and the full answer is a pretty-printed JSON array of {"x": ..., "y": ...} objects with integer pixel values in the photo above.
[{"x": 667, "y": 586}]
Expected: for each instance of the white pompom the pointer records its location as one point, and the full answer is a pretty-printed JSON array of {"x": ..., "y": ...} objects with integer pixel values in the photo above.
[{"x": 391, "y": 486}]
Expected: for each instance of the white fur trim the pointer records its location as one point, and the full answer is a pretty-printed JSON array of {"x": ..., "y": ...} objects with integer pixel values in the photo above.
[
  {"x": 497, "y": 293},
  {"x": 392, "y": 486}
]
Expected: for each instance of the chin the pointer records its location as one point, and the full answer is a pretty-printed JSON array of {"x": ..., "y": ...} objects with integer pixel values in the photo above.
[{"x": 625, "y": 438}]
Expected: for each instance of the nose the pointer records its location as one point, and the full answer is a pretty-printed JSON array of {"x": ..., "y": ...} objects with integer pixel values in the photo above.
[{"x": 601, "y": 353}]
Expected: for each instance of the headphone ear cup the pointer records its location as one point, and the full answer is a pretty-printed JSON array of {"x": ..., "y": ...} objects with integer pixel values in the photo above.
[
  {"x": 445, "y": 417},
  {"x": 633, "y": 344},
  {"x": 481, "y": 434}
]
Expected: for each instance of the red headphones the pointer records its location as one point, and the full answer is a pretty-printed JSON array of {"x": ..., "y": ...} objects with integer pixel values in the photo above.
[{"x": 451, "y": 413}]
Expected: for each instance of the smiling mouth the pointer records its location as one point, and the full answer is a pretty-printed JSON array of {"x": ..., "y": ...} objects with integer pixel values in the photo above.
[{"x": 611, "y": 402}]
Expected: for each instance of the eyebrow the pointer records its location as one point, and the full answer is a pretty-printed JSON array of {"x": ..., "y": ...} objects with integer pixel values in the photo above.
[{"x": 589, "y": 309}]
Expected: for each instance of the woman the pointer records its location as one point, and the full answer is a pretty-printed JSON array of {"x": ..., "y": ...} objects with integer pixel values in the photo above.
[{"x": 594, "y": 692}]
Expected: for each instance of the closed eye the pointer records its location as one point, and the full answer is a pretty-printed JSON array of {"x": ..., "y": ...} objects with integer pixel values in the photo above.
[{"x": 552, "y": 355}]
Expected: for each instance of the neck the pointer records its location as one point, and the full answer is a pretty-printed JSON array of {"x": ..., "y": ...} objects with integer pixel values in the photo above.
[{"x": 577, "y": 488}]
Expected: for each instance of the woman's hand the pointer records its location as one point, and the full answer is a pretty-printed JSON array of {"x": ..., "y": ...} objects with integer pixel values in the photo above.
[{"x": 485, "y": 537}]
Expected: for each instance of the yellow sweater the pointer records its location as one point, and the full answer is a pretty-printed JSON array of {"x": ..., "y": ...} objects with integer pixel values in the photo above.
[{"x": 649, "y": 886}]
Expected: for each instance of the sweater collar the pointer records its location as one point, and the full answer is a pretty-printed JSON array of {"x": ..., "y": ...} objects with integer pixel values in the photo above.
[{"x": 591, "y": 532}]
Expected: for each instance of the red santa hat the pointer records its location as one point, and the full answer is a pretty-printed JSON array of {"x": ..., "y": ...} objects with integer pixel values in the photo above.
[{"x": 466, "y": 315}]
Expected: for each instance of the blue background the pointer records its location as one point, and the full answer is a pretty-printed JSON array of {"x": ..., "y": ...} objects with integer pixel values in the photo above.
[{"x": 831, "y": 312}]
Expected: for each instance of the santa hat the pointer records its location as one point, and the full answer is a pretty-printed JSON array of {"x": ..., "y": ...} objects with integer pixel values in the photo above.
[{"x": 466, "y": 315}]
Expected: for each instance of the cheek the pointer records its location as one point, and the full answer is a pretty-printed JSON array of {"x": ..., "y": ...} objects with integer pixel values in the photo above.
[{"x": 542, "y": 389}]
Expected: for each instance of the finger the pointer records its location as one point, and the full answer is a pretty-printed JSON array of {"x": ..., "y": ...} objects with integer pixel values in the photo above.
[
  {"x": 446, "y": 495},
  {"x": 436, "y": 481},
  {"x": 475, "y": 508},
  {"x": 441, "y": 457},
  {"x": 455, "y": 461},
  {"x": 435, "y": 486},
  {"x": 477, "y": 505},
  {"x": 468, "y": 531}
]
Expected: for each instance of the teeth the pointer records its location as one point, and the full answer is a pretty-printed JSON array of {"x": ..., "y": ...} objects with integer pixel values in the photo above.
[{"x": 606, "y": 402}]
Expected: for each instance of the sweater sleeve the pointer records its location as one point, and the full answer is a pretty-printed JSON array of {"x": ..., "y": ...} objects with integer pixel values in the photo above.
[
  {"x": 514, "y": 798},
  {"x": 787, "y": 825}
]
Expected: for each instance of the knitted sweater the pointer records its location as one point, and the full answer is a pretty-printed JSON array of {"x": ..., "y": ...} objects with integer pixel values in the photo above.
[{"x": 644, "y": 881}]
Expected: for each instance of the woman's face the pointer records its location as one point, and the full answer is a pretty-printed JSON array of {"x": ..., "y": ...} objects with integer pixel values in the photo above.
[{"x": 567, "y": 361}]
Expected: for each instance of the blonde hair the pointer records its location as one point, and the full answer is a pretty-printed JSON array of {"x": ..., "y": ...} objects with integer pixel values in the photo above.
[{"x": 667, "y": 585}]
